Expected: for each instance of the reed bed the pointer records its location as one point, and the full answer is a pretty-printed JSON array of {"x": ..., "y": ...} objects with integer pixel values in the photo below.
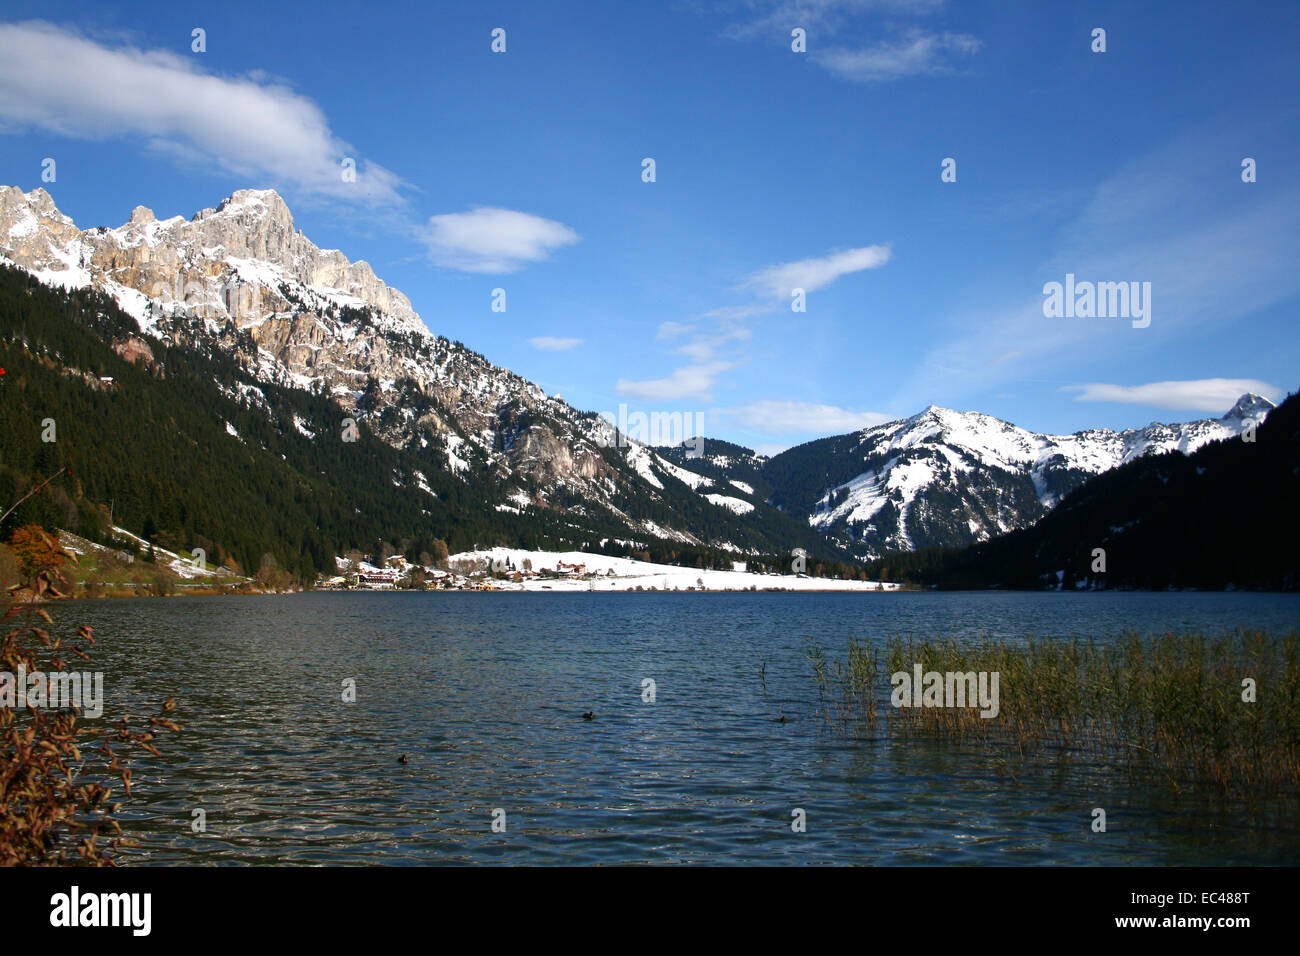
[{"x": 1169, "y": 703}]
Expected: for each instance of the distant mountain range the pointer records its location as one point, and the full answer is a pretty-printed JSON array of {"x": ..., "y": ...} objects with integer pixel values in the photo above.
[
  {"x": 944, "y": 478},
  {"x": 1227, "y": 516},
  {"x": 305, "y": 341}
]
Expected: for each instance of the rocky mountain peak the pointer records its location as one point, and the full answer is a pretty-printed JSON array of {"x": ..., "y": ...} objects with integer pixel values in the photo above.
[
  {"x": 253, "y": 204},
  {"x": 943, "y": 478},
  {"x": 41, "y": 201},
  {"x": 241, "y": 277},
  {"x": 38, "y": 204},
  {"x": 1250, "y": 406}
]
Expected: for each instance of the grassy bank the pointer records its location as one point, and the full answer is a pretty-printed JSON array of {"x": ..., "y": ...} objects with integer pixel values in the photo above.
[{"x": 1173, "y": 704}]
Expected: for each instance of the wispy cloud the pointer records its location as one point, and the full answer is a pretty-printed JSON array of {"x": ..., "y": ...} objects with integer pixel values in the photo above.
[
  {"x": 833, "y": 26},
  {"x": 1201, "y": 395},
  {"x": 809, "y": 274},
  {"x": 671, "y": 330},
  {"x": 690, "y": 383},
  {"x": 758, "y": 18},
  {"x": 549, "y": 343},
  {"x": 1212, "y": 258},
  {"x": 705, "y": 347},
  {"x": 65, "y": 83},
  {"x": 735, "y": 313},
  {"x": 713, "y": 340},
  {"x": 797, "y": 419},
  {"x": 916, "y": 53},
  {"x": 493, "y": 240},
  {"x": 711, "y": 347}
]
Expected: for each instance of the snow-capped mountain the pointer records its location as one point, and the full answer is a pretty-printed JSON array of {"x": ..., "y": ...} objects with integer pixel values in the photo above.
[
  {"x": 240, "y": 277},
  {"x": 943, "y": 477}
]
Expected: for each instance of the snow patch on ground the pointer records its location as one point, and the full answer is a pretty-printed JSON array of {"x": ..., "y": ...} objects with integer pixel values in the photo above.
[
  {"x": 629, "y": 574},
  {"x": 455, "y": 463},
  {"x": 638, "y": 456},
  {"x": 737, "y": 505},
  {"x": 689, "y": 478}
]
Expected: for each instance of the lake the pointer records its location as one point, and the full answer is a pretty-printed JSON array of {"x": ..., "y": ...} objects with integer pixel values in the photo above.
[{"x": 484, "y": 694}]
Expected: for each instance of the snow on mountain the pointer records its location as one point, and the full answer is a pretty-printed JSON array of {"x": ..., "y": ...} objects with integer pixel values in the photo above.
[
  {"x": 224, "y": 263},
  {"x": 1250, "y": 406},
  {"x": 241, "y": 277},
  {"x": 683, "y": 475},
  {"x": 943, "y": 477},
  {"x": 738, "y": 505},
  {"x": 605, "y": 573}
]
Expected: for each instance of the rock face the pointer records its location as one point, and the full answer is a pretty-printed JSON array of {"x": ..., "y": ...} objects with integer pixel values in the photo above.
[
  {"x": 1250, "y": 407},
  {"x": 948, "y": 478},
  {"x": 242, "y": 277},
  {"x": 224, "y": 263},
  {"x": 135, "y": 350}
]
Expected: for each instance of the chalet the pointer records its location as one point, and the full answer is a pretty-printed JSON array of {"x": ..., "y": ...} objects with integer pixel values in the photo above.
[{"x": 380, "y": 578}]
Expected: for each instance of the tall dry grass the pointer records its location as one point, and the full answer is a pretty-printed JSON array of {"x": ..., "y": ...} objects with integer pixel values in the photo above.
[{"x": 1170, "y": 703}]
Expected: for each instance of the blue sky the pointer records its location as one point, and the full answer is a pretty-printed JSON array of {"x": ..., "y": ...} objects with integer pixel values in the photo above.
[{"x": 774, "y": 169}]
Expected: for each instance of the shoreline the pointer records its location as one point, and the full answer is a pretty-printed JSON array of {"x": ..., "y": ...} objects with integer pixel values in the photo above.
[
  {"x": 209, "y": 592},
  {"x": 573, "y": 572}
]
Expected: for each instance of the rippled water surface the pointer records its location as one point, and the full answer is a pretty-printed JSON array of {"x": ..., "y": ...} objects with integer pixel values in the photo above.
[{"x": 484, "y": 694}]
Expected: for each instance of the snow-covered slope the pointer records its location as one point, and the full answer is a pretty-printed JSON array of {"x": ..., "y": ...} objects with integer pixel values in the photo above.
[
  {"x": 943, "y": 477},
  {"x": 241, "y": 277}
]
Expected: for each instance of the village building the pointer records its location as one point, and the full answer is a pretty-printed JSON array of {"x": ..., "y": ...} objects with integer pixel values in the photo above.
[{"x": 378, "y": 578}]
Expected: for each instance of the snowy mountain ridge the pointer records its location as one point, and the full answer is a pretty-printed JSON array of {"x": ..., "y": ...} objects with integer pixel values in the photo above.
[
  {"x": 242, "y": 278},
  {"x": 918, "y": 472}
]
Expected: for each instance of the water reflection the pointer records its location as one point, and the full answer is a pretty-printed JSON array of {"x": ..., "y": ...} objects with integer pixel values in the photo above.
[{"x": 485, "y": 693}]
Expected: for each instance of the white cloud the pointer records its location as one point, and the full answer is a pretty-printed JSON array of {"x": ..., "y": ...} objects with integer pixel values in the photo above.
[
  {"x": 714, "y": 346},
  {"x": 62, "y": 82},
  {"x": 778, "y": 17},
  {"x": 734, "y": 313},
  {"x": 671, "y": 330},
  {"x": 549, "y": 343},
  {"x": 493, "y": 240},
  {"x": 905, "y": 51},
  {"x": 693, "y": 382},
  {"x": 1202, "y": 395},
  {"x": 917, "y": 53},
  {"x": 770, "y": 417},
  {"x": 810, "y": 274},
  {"x": 704, "y": 348},
  {"x": 1211, "y": 261}
]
